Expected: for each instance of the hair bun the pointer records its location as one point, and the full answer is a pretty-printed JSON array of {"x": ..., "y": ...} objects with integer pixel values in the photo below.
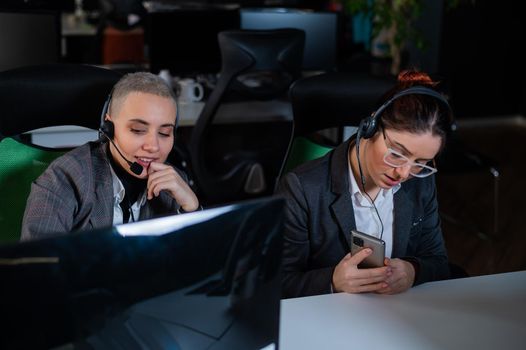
[{"x": 411, "y": 77}]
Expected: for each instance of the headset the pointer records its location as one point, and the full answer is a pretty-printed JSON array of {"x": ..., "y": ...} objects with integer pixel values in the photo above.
[
  {"x": 369, "y": 125},
  {"x": 107, "y": 130}
]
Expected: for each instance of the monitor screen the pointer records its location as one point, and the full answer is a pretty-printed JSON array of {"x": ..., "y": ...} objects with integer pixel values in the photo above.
[
  {"x": 204, "y": 280},
  {"x": 321, "y": 30},
  {"x": 184, "y": 41},
  {"x": 29, "y": 38}
]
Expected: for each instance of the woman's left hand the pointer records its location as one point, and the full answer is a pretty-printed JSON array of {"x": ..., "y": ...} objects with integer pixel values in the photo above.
[
  {"x": 401, "y": 279},
  {"x": 163, "y": 177}
]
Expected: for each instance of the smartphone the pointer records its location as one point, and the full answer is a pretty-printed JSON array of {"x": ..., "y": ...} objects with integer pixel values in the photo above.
[{"x": 362, "y": 240}]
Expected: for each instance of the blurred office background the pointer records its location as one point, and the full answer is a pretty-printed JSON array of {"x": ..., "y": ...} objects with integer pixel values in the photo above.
[{"x": 473, "y": 47}]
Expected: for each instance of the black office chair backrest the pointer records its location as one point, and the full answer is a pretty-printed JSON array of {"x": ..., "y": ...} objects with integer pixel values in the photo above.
[
  {"x": 256, "y": 65},
  {"x": 335, "y": 99},
  {"x": 40, "y": 96},
  {"x": 34, "y": 97},
  {"x": 329, "y": 100}
]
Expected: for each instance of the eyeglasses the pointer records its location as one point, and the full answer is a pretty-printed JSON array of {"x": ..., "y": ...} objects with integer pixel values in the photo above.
[{"x": 398, "y": 160}]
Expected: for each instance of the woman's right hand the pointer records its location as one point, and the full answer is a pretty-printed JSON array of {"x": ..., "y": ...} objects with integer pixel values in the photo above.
[{"x": 347, "y": 277}]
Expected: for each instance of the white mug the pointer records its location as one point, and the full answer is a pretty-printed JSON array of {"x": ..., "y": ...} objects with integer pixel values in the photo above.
[{"x": 190, "y": 90}]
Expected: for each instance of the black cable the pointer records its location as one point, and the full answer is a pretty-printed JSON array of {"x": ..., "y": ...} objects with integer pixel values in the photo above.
[
  {"x": 135, "y": 167},
  {"x": 362, "y": 180},
  {"x": 131, "y": 212}
]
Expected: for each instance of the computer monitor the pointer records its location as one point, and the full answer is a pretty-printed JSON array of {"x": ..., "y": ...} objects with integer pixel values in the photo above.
[
  {"x": 204, "y": 280},
  {"x": 184, "y": 41},
  {"x": 321, "y": 32},
  {"x": 29, "y": 38}
]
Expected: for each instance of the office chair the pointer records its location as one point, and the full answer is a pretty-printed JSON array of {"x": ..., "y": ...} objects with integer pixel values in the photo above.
[
  {"x": 330, "y": 100},
  {"x": 257, "y": 66},
  {"x": 34, "y": 97}
]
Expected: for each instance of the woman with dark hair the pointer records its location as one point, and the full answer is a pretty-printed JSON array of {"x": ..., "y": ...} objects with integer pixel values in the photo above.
[{"x": 379, "y": 182}]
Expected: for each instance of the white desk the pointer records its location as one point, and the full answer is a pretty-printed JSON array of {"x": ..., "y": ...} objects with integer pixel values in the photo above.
[
  {"x": 487, "y": 312},
  {"x": 232, "y": 113}
]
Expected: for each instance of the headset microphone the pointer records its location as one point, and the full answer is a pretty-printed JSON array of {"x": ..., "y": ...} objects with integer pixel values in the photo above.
[{"x": 135, "y": 167}]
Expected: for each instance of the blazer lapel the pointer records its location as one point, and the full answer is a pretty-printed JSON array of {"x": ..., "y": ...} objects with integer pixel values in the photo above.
[
  {"x": 102, "y": 215},
  {"x": 403, "y": 217},
  {"x": 343, "y": 214},
  {"x": 341, "y": 208}
]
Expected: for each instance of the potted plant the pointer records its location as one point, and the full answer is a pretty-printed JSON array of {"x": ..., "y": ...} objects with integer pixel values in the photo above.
[{"x": 392, "y": 24}]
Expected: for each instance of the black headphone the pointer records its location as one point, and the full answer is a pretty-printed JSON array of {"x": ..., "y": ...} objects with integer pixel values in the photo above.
[
  {"x": 106, "y": 128},
  {"x": 369, "y": 125}
]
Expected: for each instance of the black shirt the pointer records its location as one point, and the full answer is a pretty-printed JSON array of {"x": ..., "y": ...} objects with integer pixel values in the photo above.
[{"x": 133, "y": 187}]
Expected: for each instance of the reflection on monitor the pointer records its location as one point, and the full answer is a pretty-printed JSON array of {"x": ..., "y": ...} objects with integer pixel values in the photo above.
[
  {"x": 185, "y": 40},
  {"x": 29, "y": 38},
  {"x": 320, "y": 28},
  {"x": 205, "y": 280}
]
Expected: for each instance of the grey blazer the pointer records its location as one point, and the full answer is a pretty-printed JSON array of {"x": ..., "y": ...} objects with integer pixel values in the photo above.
[
  {"x": 76, "y": 193},
  {"x": 319, "y": 218}
]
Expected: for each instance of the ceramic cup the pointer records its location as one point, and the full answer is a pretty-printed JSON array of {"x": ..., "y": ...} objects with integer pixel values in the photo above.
[{"x": 190, "y": 90}]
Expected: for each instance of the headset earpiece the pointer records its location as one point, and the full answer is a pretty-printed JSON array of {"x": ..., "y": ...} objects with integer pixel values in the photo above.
[
  {"x": 367, "y": 126},
  {"x": 108, "y": 128}
]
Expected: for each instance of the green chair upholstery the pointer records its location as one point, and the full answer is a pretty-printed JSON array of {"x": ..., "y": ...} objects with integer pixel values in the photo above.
[
  {"x": 34, "y": 97},
  {"x": 302, "y": 150},
  {"x": 17, "y": 172}
]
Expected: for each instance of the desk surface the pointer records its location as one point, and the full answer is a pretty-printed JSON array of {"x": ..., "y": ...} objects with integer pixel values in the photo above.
[
  {"x": 486, "y": 312},
  {"x": 239, "y": 112}
]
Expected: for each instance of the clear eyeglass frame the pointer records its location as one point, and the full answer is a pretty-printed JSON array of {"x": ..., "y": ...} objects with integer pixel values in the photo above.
[{"x": 398, "y": 160}]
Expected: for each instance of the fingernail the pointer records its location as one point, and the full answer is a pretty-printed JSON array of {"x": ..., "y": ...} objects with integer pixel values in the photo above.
[{"x": 368, "y": 251}]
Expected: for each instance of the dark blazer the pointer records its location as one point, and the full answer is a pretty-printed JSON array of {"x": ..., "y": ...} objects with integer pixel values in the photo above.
[
  {"x": 319, "y": 218},
  {"x": 76, "y": 193}
]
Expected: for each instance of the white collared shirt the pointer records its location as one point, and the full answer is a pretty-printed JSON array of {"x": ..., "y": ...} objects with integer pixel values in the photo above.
[
  {"x": 118, "y": 196},
  {"x": 365, "y": 215}
]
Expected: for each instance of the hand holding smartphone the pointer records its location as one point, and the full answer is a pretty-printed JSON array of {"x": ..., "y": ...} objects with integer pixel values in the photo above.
[{"x": 360, "y": 240}]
